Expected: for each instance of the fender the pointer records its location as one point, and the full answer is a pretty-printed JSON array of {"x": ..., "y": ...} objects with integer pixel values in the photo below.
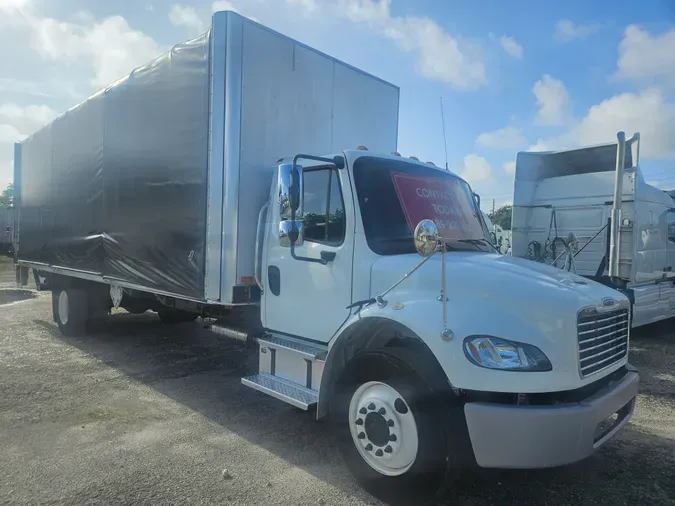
[
  {"x": 367, "y": 332},
  {"x": 421, "y": 321}
]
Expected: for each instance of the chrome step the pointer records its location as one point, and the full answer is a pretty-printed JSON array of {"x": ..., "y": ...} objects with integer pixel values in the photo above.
[
  {"x": 302, "y": 348},
  {"x": 286, "y": 391}
]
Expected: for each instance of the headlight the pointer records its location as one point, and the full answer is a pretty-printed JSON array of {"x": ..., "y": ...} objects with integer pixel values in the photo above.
[{"x": 495, "y": 353}]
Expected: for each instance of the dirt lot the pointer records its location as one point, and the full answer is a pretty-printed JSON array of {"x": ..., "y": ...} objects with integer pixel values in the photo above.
[{"x": 144, "y": 413}]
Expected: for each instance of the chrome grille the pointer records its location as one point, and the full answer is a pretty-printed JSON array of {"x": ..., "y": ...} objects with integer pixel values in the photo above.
[{"x": 603, "y": 338}]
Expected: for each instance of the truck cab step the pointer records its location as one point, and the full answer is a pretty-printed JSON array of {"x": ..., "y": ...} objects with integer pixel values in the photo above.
[
  {"x": 284, "y": 390},
  {"x": 305, "y": 349}
]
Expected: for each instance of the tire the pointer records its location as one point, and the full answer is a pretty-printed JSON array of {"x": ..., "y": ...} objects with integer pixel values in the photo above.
[
  {"x": 399, "y": 403},
  {"x": 69, "y": 308},
  {"x": 173, "y": 316}
]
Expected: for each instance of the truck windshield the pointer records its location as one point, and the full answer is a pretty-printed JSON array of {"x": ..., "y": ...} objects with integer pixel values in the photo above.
[{"x": 395, "y": 195}]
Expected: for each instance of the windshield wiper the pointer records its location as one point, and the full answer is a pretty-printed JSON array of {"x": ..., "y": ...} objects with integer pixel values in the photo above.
[{"x": 478, "y": 242}]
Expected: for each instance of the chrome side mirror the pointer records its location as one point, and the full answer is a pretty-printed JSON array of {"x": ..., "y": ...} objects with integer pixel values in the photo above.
[
  {"x": 289, "y": 196},
  {"x": 426, "y": 238},
  {"x": 288, "y": 234},
  {"x": 290, "y": 191}
]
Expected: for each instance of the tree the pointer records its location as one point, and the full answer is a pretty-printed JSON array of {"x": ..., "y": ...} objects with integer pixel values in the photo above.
[
  {"x": 502, "y": 216},
  {"x": 7, "y": 196}
]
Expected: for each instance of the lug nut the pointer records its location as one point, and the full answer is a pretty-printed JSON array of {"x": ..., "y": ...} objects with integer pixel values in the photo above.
[
  {"x": 371, "y": 406},
  {"x": 388, "y": 449},
  {"x": 359, "y": 422},
  {"x": 379, "y": 453},
  {"x": 382, "y": 411},
  {"x": 363, "y": 411},
  {"x": 369, "y": 447},
  {"x": 390, "y": 423},
  {"x": 392, "y": 437},
  {"x": 362, "y": 435}
]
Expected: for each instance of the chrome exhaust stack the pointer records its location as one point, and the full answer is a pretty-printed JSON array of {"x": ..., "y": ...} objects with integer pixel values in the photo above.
[{"x": 615, "y": 220}]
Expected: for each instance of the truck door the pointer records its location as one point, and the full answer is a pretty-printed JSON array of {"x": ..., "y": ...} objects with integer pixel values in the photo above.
[{"x": 307, "y": 296}]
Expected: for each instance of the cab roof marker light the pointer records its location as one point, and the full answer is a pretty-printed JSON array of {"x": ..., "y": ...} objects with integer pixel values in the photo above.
[
  {"x": 396, "y": 153},
  {"x": 362, "y": 148},
  {"x": 431, "y": 163},
  {"x": 415, "y": 158}
]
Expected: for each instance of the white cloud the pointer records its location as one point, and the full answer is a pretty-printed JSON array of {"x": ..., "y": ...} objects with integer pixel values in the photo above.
[
  {"x": 646, "y": 56},
  {"x": 567, "y": 31},
  {"x": 540, "y": 145},
  {"x": 510, "y": 168},
  {"x": 552, "y": 100},
  {"x": 10, "y": 134},
  {"x": 504, "y": 138},
  {"x": 188, "y": 17},
  {"x": 37, "y": 114},
  {"x": 511, "y": 46},
  {"x": 476, "y": 168},
  {"x": 223, "y": 5},
  {"x": 439, "y": 55},
  {"x": 112, "y": 46},
  {"x": 648, "y": 112},
  {"x": 13, "y": 5}
]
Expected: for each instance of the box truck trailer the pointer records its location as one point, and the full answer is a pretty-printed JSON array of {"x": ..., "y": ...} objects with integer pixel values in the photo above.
[
  {"x": 219, "y": 181},
  {"x": 622, "y": 228}
]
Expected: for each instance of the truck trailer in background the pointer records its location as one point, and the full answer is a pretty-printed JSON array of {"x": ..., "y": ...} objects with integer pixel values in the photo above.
[
  {"x": 7, "y": 231},
  {"x": 222, "y": 181},
  {"x": 621, "y": 229}
]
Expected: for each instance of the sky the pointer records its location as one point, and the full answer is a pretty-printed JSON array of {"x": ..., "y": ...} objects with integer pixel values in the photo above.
[{"x": 512, "y": 76}]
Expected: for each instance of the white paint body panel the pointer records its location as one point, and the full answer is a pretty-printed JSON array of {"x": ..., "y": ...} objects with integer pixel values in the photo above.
[
  {"x": 540, "y": 309},
  {"x": 313, "y": 299}
]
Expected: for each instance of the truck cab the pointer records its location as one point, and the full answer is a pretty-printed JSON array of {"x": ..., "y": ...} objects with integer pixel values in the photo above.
[{"x": 387, "y": 309}]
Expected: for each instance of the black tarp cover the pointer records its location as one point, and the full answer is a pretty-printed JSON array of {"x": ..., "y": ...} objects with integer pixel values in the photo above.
[{"x": 117, "y": 185}]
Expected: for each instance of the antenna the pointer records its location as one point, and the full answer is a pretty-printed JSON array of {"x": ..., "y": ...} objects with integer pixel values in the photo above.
[{"x": 445, "y": 139}]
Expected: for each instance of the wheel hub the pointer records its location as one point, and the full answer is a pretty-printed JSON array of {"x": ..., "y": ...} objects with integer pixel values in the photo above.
[
  {"x": 383, "y": 428},
  {"x": 377, "y": 429}
]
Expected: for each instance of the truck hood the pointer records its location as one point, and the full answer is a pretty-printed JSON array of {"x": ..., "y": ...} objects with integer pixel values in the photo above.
[
  {"x": 501, "y": 279},
  {"x": 491, "y": 294}
]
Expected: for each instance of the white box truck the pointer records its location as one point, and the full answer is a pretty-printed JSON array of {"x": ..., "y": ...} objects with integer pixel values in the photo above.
[
  {"x": 622, "y": 228},
  {"x": 218, "y": 181}
]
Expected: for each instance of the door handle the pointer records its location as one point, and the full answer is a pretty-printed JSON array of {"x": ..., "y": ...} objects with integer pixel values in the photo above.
[{"x": 328, "y": 256}]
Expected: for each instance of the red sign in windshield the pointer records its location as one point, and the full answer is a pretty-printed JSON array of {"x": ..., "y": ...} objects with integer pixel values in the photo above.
[{"x": 442, "y": 200}]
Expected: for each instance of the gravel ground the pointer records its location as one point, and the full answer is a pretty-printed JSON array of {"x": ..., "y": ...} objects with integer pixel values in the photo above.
[{"x": 144, "y": 413}]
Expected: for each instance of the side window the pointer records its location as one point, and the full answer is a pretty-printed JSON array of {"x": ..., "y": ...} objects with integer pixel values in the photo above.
[
  {"x": 670, "y": 220},
  {"x": 324, "y": 212}
]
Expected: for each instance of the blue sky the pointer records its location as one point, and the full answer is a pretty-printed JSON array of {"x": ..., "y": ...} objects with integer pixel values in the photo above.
[{"x": 513, "y": 75}]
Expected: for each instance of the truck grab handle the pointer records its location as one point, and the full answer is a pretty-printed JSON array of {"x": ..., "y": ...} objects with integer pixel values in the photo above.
[{"x": 258, "y": 249}]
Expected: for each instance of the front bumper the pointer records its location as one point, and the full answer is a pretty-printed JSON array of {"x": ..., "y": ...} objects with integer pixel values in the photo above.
[{"x": 528, "y": 437}]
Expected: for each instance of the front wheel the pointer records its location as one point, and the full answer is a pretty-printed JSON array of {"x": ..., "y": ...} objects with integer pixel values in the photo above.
[{"x": 390, "y": 424}]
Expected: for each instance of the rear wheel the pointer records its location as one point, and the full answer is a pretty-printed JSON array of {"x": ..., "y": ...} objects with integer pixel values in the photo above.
[
  {"x": 69, "y": 307},
  {"x": 390, "y": 421}
]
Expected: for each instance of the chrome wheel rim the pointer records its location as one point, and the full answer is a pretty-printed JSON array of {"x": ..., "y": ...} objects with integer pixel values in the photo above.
[
  {"x": 63, "y": 307},
  {"x": 383, "y": 428}
]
